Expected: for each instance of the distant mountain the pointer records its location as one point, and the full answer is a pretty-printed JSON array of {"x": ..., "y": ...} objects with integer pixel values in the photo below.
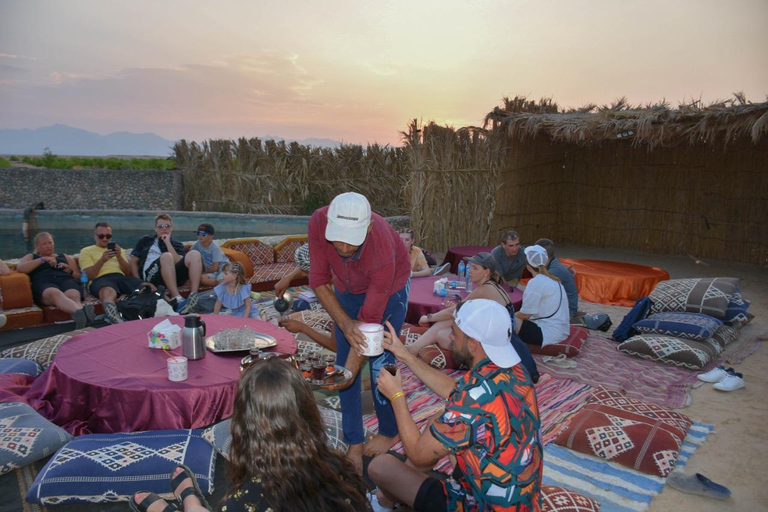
[{"x": 65, "y": 140}]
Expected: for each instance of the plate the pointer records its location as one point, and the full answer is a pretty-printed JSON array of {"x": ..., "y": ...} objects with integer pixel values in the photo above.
[
  {"x": 237, "y": 340},
  {"x": 335, "y": 380}
]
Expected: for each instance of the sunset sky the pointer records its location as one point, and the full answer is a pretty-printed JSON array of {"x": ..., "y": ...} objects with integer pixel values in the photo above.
[{"x": 358, "y": 71}]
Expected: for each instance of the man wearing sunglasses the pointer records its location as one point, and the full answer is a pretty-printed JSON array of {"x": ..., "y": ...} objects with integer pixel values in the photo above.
[
  {"x": 108, "y": 269},
  {"x": 161, "y": 260}
]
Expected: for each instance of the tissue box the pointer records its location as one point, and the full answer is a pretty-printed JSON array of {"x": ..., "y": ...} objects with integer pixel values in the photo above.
[{"x": 165, "y": 335}]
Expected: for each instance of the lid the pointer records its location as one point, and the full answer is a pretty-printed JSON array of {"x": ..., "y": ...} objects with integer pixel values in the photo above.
[
  {"x": 193, "y": 321},
  {"x": 371, "y": 327}
]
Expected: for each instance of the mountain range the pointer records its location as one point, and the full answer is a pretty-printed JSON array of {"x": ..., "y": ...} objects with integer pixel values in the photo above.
[{"x": 65, "y": 140}]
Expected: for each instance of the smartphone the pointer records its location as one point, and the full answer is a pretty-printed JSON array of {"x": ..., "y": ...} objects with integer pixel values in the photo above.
[{"x": 111, "y": 246}]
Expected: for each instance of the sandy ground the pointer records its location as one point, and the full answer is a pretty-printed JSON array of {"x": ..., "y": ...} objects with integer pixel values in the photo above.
[{"x": 736, "y": 454}]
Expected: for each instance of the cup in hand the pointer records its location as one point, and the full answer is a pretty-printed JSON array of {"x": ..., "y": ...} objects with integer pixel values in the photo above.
[
  {"x": 177, "y": 368},
  {"x": 374, "y": 336}
]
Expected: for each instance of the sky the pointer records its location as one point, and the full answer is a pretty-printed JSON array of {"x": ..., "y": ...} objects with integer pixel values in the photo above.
[{"x": 359, "y": 70}]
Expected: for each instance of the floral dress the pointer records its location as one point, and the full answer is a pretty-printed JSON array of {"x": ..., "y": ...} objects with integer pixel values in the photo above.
[{"x": 234, "y": 303}]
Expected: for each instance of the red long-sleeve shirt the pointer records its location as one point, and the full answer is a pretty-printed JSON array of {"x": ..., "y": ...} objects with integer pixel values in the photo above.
[{"x": 380, "y": 267}]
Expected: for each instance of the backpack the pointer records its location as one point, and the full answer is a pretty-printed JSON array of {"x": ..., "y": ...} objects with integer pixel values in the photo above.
[
  {"x": 638, "y": 312},
  {"x": 141, "y": 303}
]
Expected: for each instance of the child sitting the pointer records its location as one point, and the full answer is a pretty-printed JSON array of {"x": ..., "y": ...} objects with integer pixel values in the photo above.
[{"x": 234, "y": 294}]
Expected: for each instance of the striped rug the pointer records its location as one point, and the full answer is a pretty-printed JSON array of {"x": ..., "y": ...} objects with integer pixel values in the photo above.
[{"x": 616, "y": 487}]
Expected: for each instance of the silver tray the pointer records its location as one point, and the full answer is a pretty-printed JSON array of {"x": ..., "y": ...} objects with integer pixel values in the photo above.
[{"x": 238, "y": 340}]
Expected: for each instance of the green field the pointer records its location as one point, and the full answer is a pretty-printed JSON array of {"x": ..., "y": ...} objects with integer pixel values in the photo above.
[{"x": 52, "y": 161}]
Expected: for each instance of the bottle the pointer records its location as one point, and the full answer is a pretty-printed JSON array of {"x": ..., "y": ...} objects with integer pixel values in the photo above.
[
  {"x": 83, "y": 284},
  {"x": 461, "y": 270},
  {"x": 470, "y": 286}
]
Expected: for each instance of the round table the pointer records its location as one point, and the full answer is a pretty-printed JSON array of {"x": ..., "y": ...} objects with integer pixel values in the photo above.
[
  {"x": 109, "y": 380},
  {"x": 421, "y": 300},
  {"x": 456, "y": 254},
  {"x": 613, "y": 282}
]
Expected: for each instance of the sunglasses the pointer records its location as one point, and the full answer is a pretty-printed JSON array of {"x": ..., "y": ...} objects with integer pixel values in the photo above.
[
  {"x": 163, "y": 226},
  {"x": 202, "y": 233},
  {"x": 108, "y": 236}
]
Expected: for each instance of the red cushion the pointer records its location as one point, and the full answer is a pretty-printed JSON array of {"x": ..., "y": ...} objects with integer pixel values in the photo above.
[
  {"x": 438, "y": 357},
  {"x": 570, "y": 347},
  {"x": 633, "y": 440},
  {"x": 619, "y": 400},
  {"x": 559, "y": 499}
]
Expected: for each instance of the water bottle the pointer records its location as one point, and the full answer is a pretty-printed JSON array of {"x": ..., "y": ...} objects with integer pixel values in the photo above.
[
  {"x": 83, "y": 284},
  {"x": 468, "y": 280},
  {"x": 461, "y": 269}
]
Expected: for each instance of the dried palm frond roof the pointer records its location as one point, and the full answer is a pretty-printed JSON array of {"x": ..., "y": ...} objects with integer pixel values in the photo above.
[{"x": 654, "y": 125}]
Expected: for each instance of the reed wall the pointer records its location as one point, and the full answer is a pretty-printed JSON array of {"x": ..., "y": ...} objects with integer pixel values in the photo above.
[{"x": 707, "y": 201}]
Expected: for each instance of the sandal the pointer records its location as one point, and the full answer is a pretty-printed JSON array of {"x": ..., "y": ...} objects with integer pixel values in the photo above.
[
  {"x": 560, "y": 360},
  {"x": 189, "y": 491},
  {"x": 148, "y": 501}
]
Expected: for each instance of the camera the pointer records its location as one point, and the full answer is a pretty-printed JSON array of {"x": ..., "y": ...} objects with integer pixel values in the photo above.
[{"x": 111, "y": 246}]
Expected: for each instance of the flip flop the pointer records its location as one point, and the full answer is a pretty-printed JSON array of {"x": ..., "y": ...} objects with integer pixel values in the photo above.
[
  {"x": 148, "y": 501},
  {"x": 560, "y": 360},
  {"x": 698, "y": 484},
  {"x": 189, "y": 491}
]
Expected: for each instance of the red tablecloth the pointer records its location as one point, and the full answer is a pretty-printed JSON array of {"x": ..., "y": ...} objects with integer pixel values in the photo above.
[
  {"x": 455, "y": 254},
  {"x": 422, "y": 301},
  {"x": 109, "y": 380},
  {"x": 612, "y": 282}
]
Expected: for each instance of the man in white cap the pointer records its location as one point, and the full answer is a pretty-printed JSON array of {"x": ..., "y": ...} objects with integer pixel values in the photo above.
[
  {"x": 490, "y": 423},
  {"x": 360, "y": 273}
]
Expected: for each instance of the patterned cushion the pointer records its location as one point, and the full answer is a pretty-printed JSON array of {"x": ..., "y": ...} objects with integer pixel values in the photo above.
[
  {"x": 42, "y": 351},
  {"x": 285, "y": 250},
  {"x": 18, "y": 365},
  {"x": 736, "y": 312},
  {"x": 220, "y": 437},
  {"x": 559, "y": 499},
  {"x": 690, "y": 354},
  {"x": 440, "y": 358},
  {"x": 708, "y": 295},
  {"x": 112, "y": 467},
  {"x": 612, "y": 398},
  {"x": 724, "y": 335},
  {"x": 318, "y": 319},
  {"x": 26, "y": 437},
  {"x": 271, "y": 272},
  {"x": 571, "y": 346},
  {"x": 257, "y": 251},
  {"x": 633, "y": 440},
  {"x": 692, "y": 326}
]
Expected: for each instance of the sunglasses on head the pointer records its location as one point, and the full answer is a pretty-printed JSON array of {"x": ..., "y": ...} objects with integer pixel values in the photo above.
[
  {"x": 108, "y": 236},
  {"x": 163, "y": 226}
]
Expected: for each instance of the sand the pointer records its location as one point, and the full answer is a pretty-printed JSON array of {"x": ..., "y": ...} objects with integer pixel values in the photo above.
[{"x": 736, "y": 454}]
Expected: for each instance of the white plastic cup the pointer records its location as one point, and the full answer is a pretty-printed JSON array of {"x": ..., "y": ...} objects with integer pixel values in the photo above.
[
  {"x": 374, "y": 336},
  {"x": 177, "y": 368}
]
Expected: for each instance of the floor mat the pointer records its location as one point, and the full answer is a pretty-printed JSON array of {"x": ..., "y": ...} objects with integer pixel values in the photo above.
[{"x": 616, "y": 487}]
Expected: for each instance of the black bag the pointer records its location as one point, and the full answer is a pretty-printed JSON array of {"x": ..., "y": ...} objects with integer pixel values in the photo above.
[{"x": 140, "y": 304}]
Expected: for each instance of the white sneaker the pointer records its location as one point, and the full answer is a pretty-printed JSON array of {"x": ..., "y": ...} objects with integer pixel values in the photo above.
[
  {"x": 713, "y": 375},
  {"x": 731, "y": 382},
  {"x": 442, "y": 269}
]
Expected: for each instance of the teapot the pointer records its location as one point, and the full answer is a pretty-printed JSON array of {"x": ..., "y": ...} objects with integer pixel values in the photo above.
[{"x": 193, "y": 337}]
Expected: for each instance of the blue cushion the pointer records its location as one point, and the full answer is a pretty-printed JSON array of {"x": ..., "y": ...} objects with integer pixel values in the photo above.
[
  {"x": 691, "y": 326},
  {"x": 17, "y": 365},
  {"x": 736, "y": 313},
  {"x": 112, "y": 467},
  {"x": 26, "y": 437}
]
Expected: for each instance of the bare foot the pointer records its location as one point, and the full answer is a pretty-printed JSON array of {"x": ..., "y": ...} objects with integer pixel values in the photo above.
[
  {"x": 157, "y": 506},
  {"x": 379, "y": 444},
  {"x": 355, "y": 454}
]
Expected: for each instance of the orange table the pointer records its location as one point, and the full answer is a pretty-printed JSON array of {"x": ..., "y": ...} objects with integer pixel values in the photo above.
[{"x": 612, "y": 282}]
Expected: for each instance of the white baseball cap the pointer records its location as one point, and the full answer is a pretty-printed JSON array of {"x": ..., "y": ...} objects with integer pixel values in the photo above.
[
  {"x": 536, "y": 256},
  {"x": 488, "y": 322},
  {"x": 348, "y": 218}
]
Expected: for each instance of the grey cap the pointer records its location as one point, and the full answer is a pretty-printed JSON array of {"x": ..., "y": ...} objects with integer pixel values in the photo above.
[{"x": 484, "y": 259}]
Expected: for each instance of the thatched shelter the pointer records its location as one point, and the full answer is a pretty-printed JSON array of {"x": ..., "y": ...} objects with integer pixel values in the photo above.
[{"x": 690, "y": 180}]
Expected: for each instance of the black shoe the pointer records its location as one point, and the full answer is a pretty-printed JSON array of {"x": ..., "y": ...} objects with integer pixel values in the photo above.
[
  {"x": 90, "y": 316},
  {"x": 80, "y": 319}
]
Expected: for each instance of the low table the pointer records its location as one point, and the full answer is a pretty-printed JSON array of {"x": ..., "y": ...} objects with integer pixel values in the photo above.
[
  {"x": 613, "y": 282},
  {"x": 109, "y": 380},
  {"x": 422, "y": 301}
]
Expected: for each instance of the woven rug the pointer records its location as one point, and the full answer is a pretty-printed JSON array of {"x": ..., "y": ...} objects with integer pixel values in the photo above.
[
  {"x": 600, "y": 364},
  {"x": 617, "y": 488}
]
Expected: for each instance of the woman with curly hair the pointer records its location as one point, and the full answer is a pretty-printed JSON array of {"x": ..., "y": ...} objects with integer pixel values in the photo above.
[{"x": 279, "y": 460}]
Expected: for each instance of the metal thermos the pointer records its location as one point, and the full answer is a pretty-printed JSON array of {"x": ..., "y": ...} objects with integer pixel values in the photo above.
[{"x": 193, "y": 337}]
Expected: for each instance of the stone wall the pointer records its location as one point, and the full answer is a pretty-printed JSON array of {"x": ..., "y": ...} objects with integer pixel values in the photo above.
[{"x": 63, "y": 189}]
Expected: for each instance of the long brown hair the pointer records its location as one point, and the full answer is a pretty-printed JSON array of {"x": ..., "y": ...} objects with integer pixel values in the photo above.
[{"x": 278, "y": 436}]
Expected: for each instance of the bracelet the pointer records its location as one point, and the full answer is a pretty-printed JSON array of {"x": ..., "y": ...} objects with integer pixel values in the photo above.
[
  {"x": 42, "y": 260},
  {"x": 396, "y": 396}
]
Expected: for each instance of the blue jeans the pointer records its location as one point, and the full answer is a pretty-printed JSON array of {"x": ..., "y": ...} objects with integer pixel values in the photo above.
[{"x": 351, "y": 403}]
